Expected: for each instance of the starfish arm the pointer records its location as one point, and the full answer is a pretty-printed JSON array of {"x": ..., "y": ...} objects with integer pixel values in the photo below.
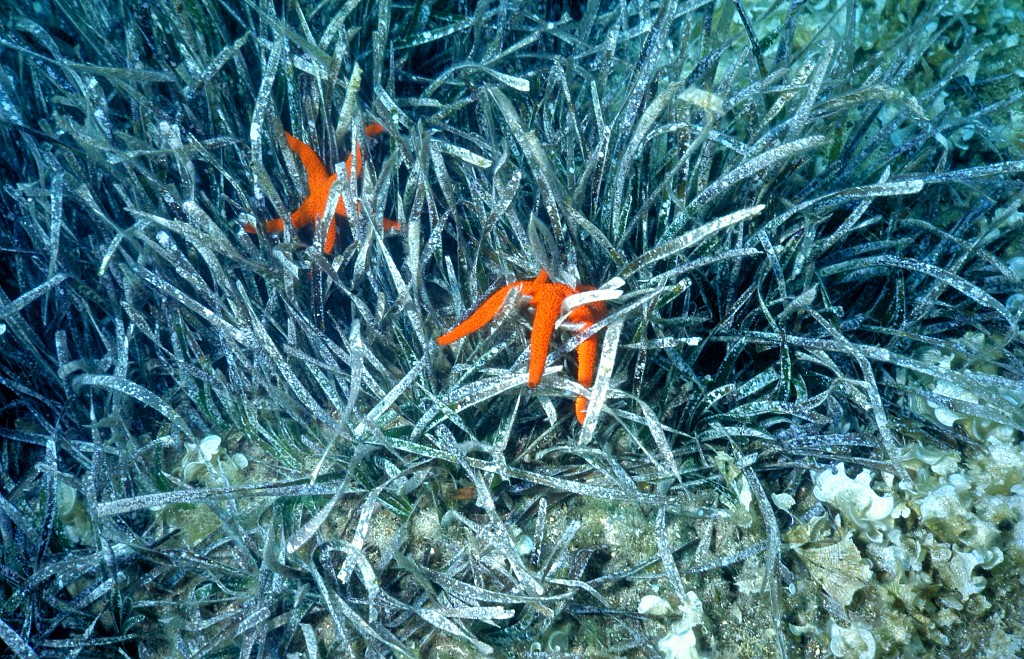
[
  {"x": 372, "y": 130},
  {"x": 316, "y": 172},
  {"x": 548, "y": 301},
  {"x": 392, "y": 225},
  {"x": 275, "y": 225},
  {"x": 587, "y": 314},
  {"x": 332, "y": 233},
  {"x": 340, "y": 208},
  {"x": 581, "y": 409},
  {"x": 586, "y": 355},
  {"x": 358, "y": 153},
  {"x": 533, "y": 286},
  {"x": 307, "y": 214},
  {"x": 482, "y": 315}
]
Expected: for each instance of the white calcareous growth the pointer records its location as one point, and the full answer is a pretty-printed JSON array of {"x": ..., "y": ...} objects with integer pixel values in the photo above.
[
  {"x": 207, "y": 463},
  {"x": 944, "y": 510},
  {"x": 681, "y": 640},
  {"x": 652, "y": 605},
  {"x": 858, "y": 504},
  {"x": 855, "y": 641}
]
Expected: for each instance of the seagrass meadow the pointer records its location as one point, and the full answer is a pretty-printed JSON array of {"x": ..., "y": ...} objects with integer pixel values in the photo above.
[{"x": 803, "y": 434}]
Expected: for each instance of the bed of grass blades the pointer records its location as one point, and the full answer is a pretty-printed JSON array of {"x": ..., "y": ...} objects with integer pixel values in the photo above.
[{"x": 804, "y": 438}]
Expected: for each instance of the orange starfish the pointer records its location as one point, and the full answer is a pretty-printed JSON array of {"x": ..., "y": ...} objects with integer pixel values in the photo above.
[
  {"x": 546, "y": 297},
  {"x": 319, "y": 181}
]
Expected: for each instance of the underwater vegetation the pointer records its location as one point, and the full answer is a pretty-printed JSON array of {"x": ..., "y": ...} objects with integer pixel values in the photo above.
[{"x": 783, "y": 418}]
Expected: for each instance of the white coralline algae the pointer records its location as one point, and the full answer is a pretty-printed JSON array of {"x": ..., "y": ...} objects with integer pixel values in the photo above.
[
  {"x": 932, "y": 562},
  {"x": 947, "y": 389},
  {"x": 945, "y": 512},
  {"x": 853, "y": 641},
  {"x": 681, "y": 640},
  {"x": 652, "y": 605},
  {"x": 857, "y": 503},
  {"x": 949, "y": 394},
  {"x": 208, "y": 463}
]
